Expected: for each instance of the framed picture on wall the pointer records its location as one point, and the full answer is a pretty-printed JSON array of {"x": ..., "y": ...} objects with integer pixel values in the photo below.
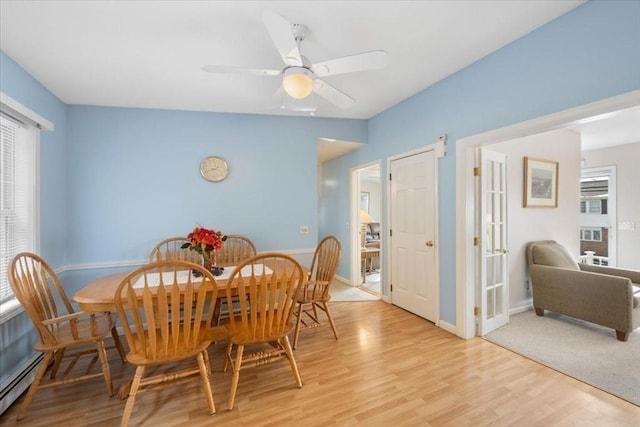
[
  {"x": 540, "y": 183},
  {"x": 364, "y": 200}
]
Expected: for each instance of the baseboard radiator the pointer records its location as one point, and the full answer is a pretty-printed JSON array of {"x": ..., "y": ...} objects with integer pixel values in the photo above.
[{"x": 15, "y": 385}]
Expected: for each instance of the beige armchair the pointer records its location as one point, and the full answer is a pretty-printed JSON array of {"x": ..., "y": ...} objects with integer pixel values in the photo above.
[
  {"x": 372, "y": 240},
  {"x": 604, "y": 295}
]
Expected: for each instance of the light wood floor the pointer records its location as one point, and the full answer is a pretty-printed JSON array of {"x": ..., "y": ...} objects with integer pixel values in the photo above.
[{"x": 389, "y": 368}]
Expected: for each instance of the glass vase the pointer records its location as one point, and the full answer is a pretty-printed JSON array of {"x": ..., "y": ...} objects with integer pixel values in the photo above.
[{"x": 209, "y": 262}]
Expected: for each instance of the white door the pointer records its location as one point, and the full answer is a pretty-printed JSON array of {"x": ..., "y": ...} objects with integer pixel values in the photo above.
[
  {"x": 413, "y": 230},
  {"x": 494, "y": 284}
]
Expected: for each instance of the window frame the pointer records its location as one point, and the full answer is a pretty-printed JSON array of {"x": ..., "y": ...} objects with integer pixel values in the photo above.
[
  {"x": 587, "y": 204},
  {"x": 33, "y": 123},
  {"x": 590, "y": 231}
]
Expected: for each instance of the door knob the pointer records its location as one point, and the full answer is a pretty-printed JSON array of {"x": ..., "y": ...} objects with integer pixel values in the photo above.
[
  {"x": 504, "y": 251},
  {"x": 429, "y": 243}
]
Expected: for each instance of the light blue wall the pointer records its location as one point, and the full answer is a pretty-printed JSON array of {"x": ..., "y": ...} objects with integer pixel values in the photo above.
[
  {"x": 134, "y": 178},
  {"x": 19, "y": 85},
  {"x": 588, "y": 54}
]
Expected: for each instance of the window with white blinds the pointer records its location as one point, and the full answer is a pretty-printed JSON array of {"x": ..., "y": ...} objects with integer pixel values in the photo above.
[{"x": 18, "y": 192}]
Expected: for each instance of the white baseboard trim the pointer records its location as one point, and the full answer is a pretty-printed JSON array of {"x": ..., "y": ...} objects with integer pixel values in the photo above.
[
  {"x": 343, "y": 280},
  {"x": 100, "y": 265},
  {"x": 520, "y": 309},
  {"x": 17, "y": 383},
  {"x": 448, "y": 327},
  {"x": 140, "y": 262}
]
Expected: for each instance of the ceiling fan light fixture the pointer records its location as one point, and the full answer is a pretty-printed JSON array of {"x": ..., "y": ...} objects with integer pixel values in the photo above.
[{"x": 297, "y": 82}]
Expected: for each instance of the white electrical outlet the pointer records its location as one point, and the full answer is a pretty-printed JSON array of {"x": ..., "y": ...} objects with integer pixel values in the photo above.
[{"x": 304, "y": 229}]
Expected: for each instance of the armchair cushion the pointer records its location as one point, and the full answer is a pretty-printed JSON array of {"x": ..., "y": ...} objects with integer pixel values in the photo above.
[
  {"x": 372, "y": 240},
  {"x": 554, "y": 255},
  {"x": 373, "y": 232}
]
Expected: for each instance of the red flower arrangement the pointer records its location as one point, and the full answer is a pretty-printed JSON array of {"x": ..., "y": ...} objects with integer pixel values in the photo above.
[{"x": 204, "y": 240}]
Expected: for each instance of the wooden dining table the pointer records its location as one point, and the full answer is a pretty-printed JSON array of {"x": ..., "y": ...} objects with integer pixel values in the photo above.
[{"x": 98, "y": 296}]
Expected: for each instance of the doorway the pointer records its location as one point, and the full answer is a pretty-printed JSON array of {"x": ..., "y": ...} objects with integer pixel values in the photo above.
[
  {"x": 465, "y": 204},
  {"x": 367, "y": 257}
]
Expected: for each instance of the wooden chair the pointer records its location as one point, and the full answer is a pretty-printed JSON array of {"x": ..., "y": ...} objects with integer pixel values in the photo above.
[
  {"x": 268, "y": 287},
  {"x": 171, "y": 249},
  {"x": 315, "y": 294},
  {"x": 158, "y": 333},
  {"x": 236, "y": 249},
  {"x": 63, "y": 332}
]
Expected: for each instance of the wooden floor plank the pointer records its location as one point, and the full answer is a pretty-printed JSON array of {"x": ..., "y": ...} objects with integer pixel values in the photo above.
[{"x": 389, "y": 368}]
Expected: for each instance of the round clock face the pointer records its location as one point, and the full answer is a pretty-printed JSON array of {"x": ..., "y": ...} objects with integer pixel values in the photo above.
[{"x": 214, "y": 168}]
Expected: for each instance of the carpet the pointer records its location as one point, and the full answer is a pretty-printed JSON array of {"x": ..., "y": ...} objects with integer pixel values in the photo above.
[
  {"x": 585, "y": 351},
  {"x": 372, "y": 283},
  {"x": 341, "y": 292}
]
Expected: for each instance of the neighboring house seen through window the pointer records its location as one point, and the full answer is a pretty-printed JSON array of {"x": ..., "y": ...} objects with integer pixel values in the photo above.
[
  {"x": 591, "y": 234},
  {"x": 594, "y": 206}
]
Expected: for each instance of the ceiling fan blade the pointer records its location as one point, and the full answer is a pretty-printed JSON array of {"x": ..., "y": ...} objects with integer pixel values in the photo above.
[
  {"x": 349, "y": 64},
  {"x": 223, "y": 69},
  {"x": 282, "y": 35},
  {"x": 332, "y": 94}
]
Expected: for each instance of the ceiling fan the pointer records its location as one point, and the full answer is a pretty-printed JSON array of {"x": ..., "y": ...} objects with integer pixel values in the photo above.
[{"x": 300, "y": 77}]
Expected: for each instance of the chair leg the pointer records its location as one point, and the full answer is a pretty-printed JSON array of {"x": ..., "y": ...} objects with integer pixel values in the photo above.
[
  {"x": 59, "y": 355},
  {"x": 227, "y": 357},
  {"x": 128, "y": 408},
  {"x": 102, "y": 353},
  {"x": 206, "y": 380},
  {"x": 292, "y": 361},
  {"x": 236, "y": 376},
  {"x": 622, "y": 336},
  {"x": 333, "y": 325},
  {"x": 207, "y": 362},
  {"x": 118, "y": 344},
  {"x": 42, "y": 369},
  {"x": 298, "y": 321},
  {"x": 217, "y": 308}
]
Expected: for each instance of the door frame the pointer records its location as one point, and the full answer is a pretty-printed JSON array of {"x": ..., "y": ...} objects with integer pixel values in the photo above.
[
  {"x": 354, "y": 226},
  {"x": 438, "y": 150},
  {"x": 465, "y": 203},
  {"x": 612, "y": 214}
]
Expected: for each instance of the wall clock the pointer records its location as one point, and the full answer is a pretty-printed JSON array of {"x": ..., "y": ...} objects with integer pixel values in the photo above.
[{"x": 214, "y": 168}]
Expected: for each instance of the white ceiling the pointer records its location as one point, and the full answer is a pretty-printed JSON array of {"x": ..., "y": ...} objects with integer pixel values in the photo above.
[
  {"x": 617, "y": 128},
  {"x": 149, "y": 54}
]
